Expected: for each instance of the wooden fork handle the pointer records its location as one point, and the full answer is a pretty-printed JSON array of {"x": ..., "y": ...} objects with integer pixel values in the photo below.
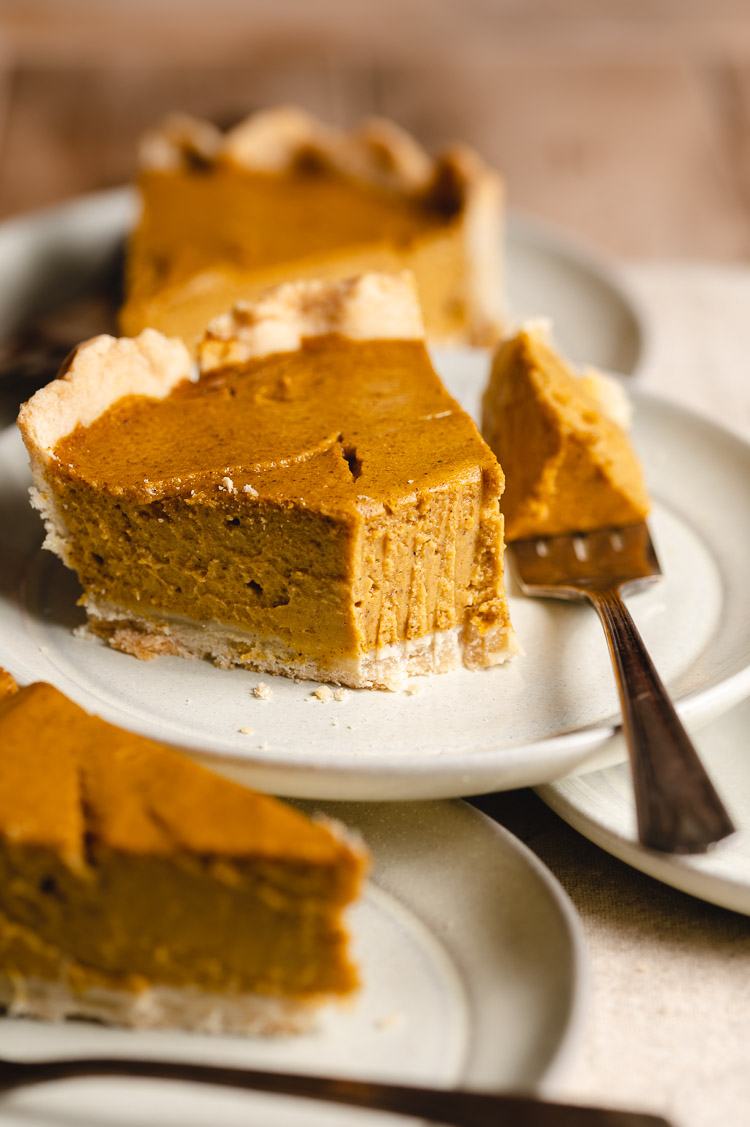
[{"x": 677, "y": 808}]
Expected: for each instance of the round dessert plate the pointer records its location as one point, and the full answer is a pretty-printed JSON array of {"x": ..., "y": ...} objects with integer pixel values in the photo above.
[
  {"x": 530, "y": 721},
  {"x": 473, "y": 974},
  {"x": 600, "y": 806}
]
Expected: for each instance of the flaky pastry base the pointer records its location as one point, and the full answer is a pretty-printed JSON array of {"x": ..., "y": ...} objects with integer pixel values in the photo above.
[
  {"x": 389, "y": 667},
  {"x": 157, "y": 1007}
]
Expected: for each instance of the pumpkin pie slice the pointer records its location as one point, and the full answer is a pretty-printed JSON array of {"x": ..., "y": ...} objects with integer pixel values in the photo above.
[
  {"x": 563, "y": 442},
  {"x": 140, "y": 889},
  {"x": 281, "y": 196},
  {"x": 313, "y": 503}
]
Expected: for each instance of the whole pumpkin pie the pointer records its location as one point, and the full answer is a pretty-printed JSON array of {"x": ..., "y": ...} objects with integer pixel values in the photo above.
[
  {"x": 138, "y": 888},
  {"x": 314, "y": 503},
  {"x": 281, "y": 196},
  {"x": 562, "y": 439}
]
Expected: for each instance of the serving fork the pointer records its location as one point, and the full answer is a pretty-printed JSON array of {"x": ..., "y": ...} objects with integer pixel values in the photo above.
[
  {"x": 460, "y": 1108},
  {"x": 677, "y": 807}
]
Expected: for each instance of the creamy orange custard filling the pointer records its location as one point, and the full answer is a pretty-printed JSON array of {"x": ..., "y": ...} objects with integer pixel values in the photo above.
[
  {"x": 343, "y": 425},
  {"x": 252, "y": 218},
  {"x": 129, "y": 873},
  {"x": 315, "y": 503},
  {"x": 563, "y": 443},
  {"x": 343, "y": 448},
  {"x": 282, "y": 196}
]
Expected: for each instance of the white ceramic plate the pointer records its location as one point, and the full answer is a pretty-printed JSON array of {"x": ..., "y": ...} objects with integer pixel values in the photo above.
[
  {"x": 49, "y": 254},
  {"x": 494, "y": 1003},
  {"x": 533, "y": 720},
  {"x": 600, "y": 806}
]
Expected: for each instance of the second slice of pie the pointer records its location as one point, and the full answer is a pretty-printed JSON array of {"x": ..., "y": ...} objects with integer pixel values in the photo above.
[
  {"x": 225, "y": 216},
  {"x": 137, "y": 888},
  {"x": 313, "y": 504}
]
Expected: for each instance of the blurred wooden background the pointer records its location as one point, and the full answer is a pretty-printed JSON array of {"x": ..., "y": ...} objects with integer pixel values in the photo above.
[{"x": 627, "y": 121}]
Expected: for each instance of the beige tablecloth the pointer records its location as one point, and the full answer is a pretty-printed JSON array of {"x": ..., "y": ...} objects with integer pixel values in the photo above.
[{"x": 669, "y": 1023}]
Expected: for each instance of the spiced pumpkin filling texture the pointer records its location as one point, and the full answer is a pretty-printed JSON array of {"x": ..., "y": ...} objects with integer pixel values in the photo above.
[
  {"x": 314, "y": 503},
  {"x": 281, "y": 196},
  {"x": 138, "y": 888}
]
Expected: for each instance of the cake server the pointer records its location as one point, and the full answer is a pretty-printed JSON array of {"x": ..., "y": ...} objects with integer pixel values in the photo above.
[
  {"x": 458, "y": 1107},
  {"x": 677, "y": 808}
]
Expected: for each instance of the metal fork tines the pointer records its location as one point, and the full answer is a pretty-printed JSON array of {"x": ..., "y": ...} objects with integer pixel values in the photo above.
[{"x": 677, "y": 808}]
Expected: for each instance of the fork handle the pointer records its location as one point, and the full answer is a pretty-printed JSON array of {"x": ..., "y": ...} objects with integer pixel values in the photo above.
[
  {"x": 677, "y": 808},
  {"x": 457, "y": 1108}
]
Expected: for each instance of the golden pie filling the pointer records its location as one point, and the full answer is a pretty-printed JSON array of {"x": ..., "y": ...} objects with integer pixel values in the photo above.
[
  {"x": 563, "y": 443},
  {"x": 331, "y": 503},
  {"x": 281, "y": 197},
  {"x": 139, "y": 888},
  {"x": 249, "y": 230},
  {"x": 314, "y": 503}
]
